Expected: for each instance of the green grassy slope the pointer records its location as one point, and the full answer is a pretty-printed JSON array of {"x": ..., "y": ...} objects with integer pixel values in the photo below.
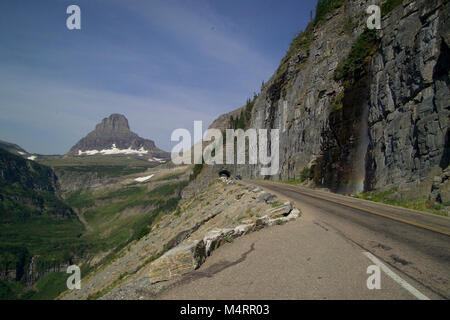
[
  {"x": 103, "y": 166},
  {"x": 31, "y": 222},
  {"x": 34, "y": 221}
]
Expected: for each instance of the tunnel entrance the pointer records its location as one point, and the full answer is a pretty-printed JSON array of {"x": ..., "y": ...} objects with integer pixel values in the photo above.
[{"x": 225, "y": 173}]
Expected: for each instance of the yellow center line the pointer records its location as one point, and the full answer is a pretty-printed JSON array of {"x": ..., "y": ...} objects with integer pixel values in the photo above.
[{"x": 416, "y": 224}]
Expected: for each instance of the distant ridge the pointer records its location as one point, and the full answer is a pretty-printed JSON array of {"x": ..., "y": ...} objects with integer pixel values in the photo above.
[
  {"x": 13, "y": 148},
  {"x": 16, "y": 150}
]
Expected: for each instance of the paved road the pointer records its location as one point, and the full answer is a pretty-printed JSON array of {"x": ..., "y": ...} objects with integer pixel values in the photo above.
[{"x": 326, "y": 253}]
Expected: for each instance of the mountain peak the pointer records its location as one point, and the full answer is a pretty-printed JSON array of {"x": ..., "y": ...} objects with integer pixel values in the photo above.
[
  {"x": 114, "y": 123},
  {"x": 113, "y": 136}
]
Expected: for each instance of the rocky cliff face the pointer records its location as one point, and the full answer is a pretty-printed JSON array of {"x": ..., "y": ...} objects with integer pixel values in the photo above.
[
  {"x": 113, "y": 136},
  {"x": 409, "y": 102},
  {"x": 29, "y": 189},
  {"x": 32, "y": 215},
  {"x": 28, "y": 174},
  {"x": 388, "y": 126}
]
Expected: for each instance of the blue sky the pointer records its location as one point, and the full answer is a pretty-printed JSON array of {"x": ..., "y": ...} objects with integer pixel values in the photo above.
[{"x": 161, "y": 63}]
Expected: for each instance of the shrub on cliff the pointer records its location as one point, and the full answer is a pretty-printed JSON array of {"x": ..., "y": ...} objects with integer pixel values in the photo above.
[
  {"x": 354, "y": 66},
  {"x": 390, "y": 5},
  {"x": 325, "y": 7}
]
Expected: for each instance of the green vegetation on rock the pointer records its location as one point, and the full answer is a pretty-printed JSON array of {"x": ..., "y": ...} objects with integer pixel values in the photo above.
[
  {"x": 324, "y": 7},
  {"x": 170, "y": 176},
  {"x": 243, "y": 120},
  {"x": 49, "y": 287},
  {"x": 389, "y": 5},
  {"x": 196, "y": 171},
  {"x": 391, "y": 197},
  {"x": 302, "y": 41},
  {"x": 355, "y": 65},
  {"x": 338, "y": 103},
  {"x": 11, "y": 290},
  {"x": 305, "y": 39},
  {"x": 306, "y": 174}
]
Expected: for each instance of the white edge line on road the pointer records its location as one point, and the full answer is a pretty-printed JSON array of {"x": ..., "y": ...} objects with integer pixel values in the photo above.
[{"x": 396, "y": 278}]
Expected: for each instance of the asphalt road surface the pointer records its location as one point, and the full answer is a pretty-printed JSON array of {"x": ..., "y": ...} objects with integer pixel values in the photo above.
[{"x": 326, "y": 254}]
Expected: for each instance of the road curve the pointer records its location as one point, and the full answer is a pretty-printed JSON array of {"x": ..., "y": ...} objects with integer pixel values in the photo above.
[
  {"x": 326, "y": 254},
  {"x": 414, "y": 243}
]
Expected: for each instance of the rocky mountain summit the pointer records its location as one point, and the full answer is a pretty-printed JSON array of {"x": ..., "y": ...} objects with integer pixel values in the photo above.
[{"x": 113, "y": 136}]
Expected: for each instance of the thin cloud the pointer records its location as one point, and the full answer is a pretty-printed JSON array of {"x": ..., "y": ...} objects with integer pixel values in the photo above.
[
  {"x": 172, "y": 64},
  {"x": 205, "y": 31},
  {"x": 72, "y": 112}
]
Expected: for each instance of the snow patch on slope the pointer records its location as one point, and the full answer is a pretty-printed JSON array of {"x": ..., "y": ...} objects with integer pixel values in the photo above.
[
  {"x": 113, "y": 150},
  {"x": 144, "y": 179},
  {"x": 154, "y": 159}
]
